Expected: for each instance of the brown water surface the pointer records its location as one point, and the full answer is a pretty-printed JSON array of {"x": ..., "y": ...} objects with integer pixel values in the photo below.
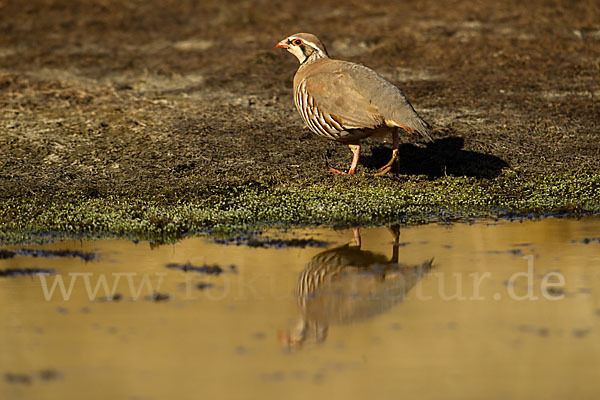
[{"x": 488, "y": 310}]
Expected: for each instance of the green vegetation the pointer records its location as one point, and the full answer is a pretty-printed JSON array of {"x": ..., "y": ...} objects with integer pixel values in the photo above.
[{"x": 360, "y": 200}]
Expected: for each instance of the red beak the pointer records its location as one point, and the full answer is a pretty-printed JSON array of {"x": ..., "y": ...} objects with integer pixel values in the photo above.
[{"x": 283, "y": 44}]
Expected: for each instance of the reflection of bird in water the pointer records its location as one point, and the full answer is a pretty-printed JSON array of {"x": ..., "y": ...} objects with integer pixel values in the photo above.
[{"x": 347, "y": 284}]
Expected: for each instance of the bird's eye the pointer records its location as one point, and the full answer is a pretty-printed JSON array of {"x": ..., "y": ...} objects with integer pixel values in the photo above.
[{"x": 297, "y": 42}]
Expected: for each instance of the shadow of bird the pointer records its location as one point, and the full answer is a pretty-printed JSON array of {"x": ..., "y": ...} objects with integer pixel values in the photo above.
[{"x": 444, "y": 157}]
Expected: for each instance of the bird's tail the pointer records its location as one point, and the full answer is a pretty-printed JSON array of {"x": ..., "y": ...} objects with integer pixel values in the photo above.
[
  {"x": 421, "y": 126},
  {"x": 413, "y": 124}
]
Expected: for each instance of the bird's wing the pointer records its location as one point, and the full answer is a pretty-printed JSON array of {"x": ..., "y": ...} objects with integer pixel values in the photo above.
[
  {"x": 361, "y": 97},
  {"x": 391, "y": 103},
  {"x": 335, "y": 93}
]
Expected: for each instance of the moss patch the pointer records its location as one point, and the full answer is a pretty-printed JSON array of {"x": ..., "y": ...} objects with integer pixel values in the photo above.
[{"x": 361, "y": 201}]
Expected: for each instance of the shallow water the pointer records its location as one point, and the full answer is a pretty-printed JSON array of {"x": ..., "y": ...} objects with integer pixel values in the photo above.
[{"x": 487, "y": 310}]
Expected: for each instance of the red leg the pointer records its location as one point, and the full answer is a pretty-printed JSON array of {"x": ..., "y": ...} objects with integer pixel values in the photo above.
[
  {"x": 356, "y": 153},
  {"x": 393, "y": 163},
  {"x": 395, "y": 140}
]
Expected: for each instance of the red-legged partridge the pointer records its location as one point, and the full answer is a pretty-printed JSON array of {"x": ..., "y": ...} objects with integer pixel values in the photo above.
[{"x": 347, "y": 102}]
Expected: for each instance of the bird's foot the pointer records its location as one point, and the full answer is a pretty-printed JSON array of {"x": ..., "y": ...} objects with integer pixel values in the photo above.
[
  {"x": 391, "y": 165},
  {"x": 337, "y": 171},
  {"x": 384, "y": 170}
]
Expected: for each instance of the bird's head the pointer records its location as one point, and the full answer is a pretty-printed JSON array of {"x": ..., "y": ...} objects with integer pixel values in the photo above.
[{"x": 304, "y": 46}]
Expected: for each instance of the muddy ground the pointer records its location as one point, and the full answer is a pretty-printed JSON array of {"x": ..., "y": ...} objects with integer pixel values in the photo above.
[{"x": 158, "y": 97}]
